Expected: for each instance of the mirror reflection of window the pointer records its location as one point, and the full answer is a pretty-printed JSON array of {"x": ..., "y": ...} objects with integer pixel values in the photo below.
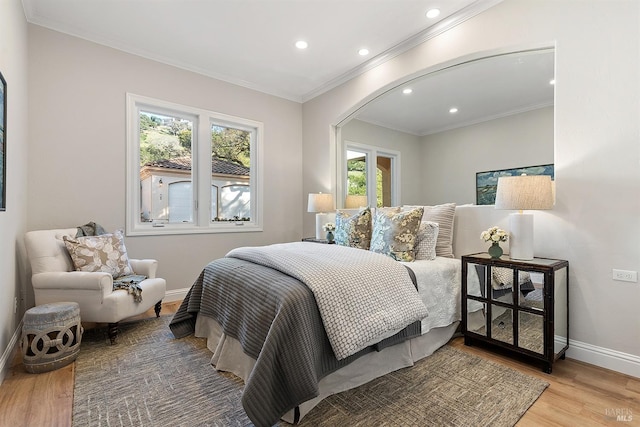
[
  {"x": 371, "y": 175},
  {"x": 356, "y": 173}
]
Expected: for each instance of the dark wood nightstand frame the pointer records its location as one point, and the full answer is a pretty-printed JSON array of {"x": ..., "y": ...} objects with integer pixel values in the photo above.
[{"x": 547, "y": 267}]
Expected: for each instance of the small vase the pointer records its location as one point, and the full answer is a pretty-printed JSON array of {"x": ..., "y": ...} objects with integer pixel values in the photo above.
[
  {"x": 495, "y": 251},
  {"x": 330, "y": 236}
]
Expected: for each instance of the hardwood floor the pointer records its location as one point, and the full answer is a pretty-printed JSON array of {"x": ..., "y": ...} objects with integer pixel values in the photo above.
[{"x": 579, "y": 394}]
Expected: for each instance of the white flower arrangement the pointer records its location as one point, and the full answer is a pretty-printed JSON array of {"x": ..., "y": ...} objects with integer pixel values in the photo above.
[
  {"x": 329, "y": 226},
  {"x": 494, "y": 235}
]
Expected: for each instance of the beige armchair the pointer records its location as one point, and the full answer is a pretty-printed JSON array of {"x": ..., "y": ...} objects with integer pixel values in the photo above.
[{"x": 54, "y": 280}]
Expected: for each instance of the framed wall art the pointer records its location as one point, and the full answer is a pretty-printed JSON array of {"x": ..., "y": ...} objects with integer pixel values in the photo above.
[
  {"x": 3, "y": 143},
  {"x": 487, "y": 182}
]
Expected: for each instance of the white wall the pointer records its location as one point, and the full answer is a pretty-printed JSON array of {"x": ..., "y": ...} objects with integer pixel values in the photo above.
[
  {"x": 378, "y": 136},
  {"x": 13, "y": 65},
  {"x": 451, "y": 159},
  {"x": 77, "y": 144},
  {"x": 596, "y": 221}
]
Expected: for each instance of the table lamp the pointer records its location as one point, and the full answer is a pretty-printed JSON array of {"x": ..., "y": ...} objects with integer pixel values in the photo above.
[
  {"x": 524, "y": 192},
  {"x": 320, "y": 204},
  {"x": 355, "y": 201}
]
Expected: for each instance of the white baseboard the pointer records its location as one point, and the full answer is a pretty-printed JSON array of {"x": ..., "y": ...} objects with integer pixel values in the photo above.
[
  {"x": 605, "y": 358},
  {"x": 175, "y": 295},
  {"x": 5, "y": 360}
]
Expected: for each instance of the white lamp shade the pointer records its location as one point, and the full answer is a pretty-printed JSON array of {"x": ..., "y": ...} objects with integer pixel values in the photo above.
[
  {"x": 354, "y": 201},
  {"x": 320, "y": 202},
  {"x": 524, "y": 192}
]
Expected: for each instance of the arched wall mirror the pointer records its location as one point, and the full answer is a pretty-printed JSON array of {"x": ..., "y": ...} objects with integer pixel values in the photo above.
[{"x": 425, "y": 141}]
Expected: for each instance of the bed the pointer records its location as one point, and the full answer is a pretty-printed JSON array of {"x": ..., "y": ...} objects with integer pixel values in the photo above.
[{"x": 281, "y": 348}]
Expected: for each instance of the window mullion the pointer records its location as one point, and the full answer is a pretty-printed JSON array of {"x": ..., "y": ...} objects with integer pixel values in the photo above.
[{"x": 202, "y": 174}]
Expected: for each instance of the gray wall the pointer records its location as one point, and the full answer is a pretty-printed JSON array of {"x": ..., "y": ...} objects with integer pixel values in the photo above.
[{"x": 13, "y": 65}]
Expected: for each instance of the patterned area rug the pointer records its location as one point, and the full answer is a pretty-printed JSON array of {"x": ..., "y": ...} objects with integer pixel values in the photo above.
[{"x": 151, "y": 379}]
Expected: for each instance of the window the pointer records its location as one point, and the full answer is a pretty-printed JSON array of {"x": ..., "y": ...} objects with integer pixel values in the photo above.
[
  {"x": 371, "y": 176},
  {"x": 191, "y": 170}
]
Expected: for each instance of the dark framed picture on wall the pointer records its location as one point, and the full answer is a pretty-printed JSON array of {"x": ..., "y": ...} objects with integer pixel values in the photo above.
[
  {"x": 487, "y": 182},
  {"x": 3, "y": 143}
]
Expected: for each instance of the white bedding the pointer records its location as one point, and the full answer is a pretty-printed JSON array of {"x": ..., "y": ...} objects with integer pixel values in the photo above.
[{"x": 439, "y": 288}]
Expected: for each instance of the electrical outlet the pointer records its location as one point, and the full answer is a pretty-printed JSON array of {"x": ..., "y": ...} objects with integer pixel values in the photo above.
[{"x": 625, "y": 275}]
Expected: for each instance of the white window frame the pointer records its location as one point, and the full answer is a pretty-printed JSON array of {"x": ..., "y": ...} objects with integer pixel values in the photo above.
[
  {"x": 200, "y": 171},
  {"x": 372, "y": 153}
]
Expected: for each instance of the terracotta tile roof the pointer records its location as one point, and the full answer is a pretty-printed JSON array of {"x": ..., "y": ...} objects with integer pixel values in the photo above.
[{"x": 217, "y": 165}]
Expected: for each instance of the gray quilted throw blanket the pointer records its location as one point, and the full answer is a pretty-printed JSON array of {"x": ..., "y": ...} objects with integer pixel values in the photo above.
[
  {"x": 363, "y": 297},
  {"x": 130, "y": 284}
]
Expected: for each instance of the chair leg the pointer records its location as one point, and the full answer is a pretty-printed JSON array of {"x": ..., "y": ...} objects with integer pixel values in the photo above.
[
  {"x": 158, "y": 307},
  {"x": 113, "y": 332}
]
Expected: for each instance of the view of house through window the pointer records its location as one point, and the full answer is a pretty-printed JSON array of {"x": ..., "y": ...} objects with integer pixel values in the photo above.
[
  {"x": 166, "y": 170},
  {"x": 178, "y": 170}
]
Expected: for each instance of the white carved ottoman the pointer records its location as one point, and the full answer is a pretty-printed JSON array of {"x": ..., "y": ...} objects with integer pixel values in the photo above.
[{"x": 51, "y": 336}]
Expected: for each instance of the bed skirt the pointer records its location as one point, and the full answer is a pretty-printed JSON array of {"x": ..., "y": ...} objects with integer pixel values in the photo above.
[{"x": 229, "y": 357}]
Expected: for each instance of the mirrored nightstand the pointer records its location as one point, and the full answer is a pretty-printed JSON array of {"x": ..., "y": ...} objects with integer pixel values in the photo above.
[{"x": 520, "y": 306}]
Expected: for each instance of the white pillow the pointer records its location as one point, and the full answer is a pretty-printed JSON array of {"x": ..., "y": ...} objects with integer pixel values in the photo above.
[
  {"x": 444, "y": 215},
  {"x": 425, "y": 247}
]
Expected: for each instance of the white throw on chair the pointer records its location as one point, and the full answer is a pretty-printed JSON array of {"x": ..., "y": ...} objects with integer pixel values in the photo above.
[{"x": 54, "y": 279}]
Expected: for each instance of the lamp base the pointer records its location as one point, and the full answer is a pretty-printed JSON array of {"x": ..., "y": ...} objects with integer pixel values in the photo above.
[
  {"x": 321, "y": 220},
  {"x": 521, "y": 239}
]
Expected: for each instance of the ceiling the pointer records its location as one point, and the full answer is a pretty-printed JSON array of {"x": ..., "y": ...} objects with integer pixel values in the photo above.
[{"x": 252, "y": 42}]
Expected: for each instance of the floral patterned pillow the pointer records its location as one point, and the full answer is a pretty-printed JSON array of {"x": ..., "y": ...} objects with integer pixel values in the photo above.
[
  {"x": 353, "y": 230},
  {"x": 394, "y": 233},
  {"x": 426, "y": 240},
  {"x": 105, "y": 252}
]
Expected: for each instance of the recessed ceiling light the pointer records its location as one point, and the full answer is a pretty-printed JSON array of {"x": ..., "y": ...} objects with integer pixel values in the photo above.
[
  {"x": 301, "y": 44},
  {"x": 433, "y": 13},
  {"x": 363, "y": 52},
  {"x": 552, "y": 81},
  {"x": 453, "y": 110},
  {"x": 407, "y": 91}
]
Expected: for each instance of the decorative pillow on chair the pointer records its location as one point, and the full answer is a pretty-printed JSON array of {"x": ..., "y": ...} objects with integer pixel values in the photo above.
[
  {"x": 105, "y": 252},
  {"x": 444, "y": 215},
  {"x": 426, "y": 240},
  {"x": 394, "y": 233},
  {"x": 353, "y": 230}
]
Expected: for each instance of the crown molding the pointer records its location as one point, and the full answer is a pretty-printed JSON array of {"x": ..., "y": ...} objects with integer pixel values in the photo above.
[{"x": 446, "y": 24}]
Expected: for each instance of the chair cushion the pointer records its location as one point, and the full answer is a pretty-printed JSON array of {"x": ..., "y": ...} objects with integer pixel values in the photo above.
[{"x": 105, "y": 253}]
